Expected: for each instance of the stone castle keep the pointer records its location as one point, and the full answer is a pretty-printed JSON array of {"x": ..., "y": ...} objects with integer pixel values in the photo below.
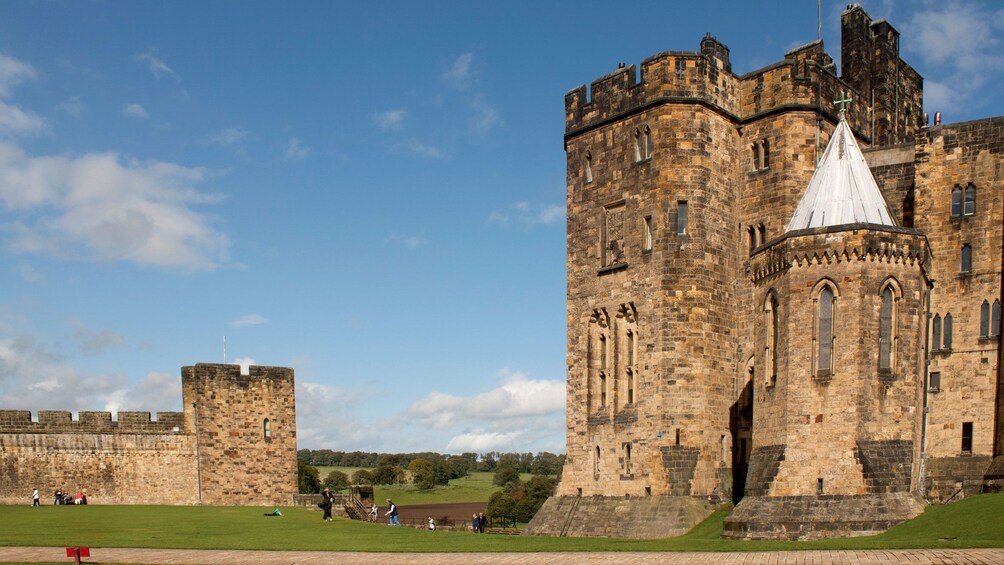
[
  {"x": 774, "y": 302},
  {"x": 234, "y": 444}
]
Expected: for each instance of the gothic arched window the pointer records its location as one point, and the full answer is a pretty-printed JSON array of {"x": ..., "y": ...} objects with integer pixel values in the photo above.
[
  {"x": 969, "y": 204},
  {"x": 985, "y": 319},
  {"x": 947, "y": 332},
  {"x": 936, "y": 332},
  {"x": 770, "y": 348},
  {"x": 887, "y": 327},
  {"x": 956, "y": 201},
  {"x": 825, "y": 336},
  {"x": 266, "y": 427}
]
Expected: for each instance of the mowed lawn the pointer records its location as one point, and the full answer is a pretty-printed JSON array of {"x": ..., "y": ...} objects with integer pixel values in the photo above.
[
  {"x": 974, "y": 522},
  {"x": 476, "y": 487}
]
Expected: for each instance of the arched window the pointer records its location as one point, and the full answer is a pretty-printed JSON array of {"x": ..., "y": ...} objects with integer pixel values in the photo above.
[
  {"x": 770, "y": 348},
  {"x": 266, "y": 427},
  {"x": 589, "y": 166},
  {"x": 627, "y": 458},
  {"x": 638, "y": 141},
  {"x": 596, "y": 462},
  {"x": 969, "y": 205},
  {"x": 967, "y": 258},
  {"x": 936, "y": 332},
  {"x": 995, "y": 318},
  {"x": 766, "y": 155},
  {"x": 751, "y": 233},
  {"x": 887, "y": 330},
  {"x": 956, "y": 201},
  {"x": 947, "y": 332},
  {"x": 755, "y": 149},
  {"x": 647, "y": 149},
  {"x": 985, "y": 319},
  {"x": 825, "y": 336}
]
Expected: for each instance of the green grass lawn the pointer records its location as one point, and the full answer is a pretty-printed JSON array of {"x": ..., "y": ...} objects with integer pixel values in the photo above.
[
  {"x": 476, "y": 487},
  {"x": 974, "y": 522}
]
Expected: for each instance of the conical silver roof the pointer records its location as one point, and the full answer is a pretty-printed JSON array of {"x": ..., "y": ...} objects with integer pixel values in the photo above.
[{"x": 842, "y": 190}]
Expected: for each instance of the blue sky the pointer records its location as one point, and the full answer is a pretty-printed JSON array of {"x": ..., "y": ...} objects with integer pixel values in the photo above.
[{"x": 371, "y": 193}]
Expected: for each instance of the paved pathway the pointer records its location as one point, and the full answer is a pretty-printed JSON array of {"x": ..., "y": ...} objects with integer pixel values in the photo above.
[{"x": 225, "y": 557}]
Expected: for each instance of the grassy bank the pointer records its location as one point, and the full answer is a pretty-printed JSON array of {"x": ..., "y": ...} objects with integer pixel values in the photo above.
[{"x": 973, "y": 522}]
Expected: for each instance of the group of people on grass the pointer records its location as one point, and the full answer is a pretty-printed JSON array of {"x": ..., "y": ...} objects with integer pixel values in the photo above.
[{"x": 59, "y": 498}]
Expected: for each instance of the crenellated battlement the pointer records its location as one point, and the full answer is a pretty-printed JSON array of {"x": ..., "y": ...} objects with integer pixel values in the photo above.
[{"x": 62, "y": 421}]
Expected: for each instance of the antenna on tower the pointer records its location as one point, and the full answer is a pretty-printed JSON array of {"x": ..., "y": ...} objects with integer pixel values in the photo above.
[
  {"x": 224, "y": 350},
  {"x": 819, "y": 20}
]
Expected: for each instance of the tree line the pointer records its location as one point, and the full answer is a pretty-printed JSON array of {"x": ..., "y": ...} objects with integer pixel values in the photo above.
[{"x": 543, "y": 463}]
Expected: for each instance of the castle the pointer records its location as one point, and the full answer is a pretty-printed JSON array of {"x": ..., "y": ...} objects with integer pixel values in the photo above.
[
  {"x": 234, "y": 444},
  {"x": 784, "y": 291}
]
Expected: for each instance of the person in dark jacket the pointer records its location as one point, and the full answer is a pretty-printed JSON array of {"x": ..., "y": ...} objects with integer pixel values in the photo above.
[{"x": 327, "y": 501}]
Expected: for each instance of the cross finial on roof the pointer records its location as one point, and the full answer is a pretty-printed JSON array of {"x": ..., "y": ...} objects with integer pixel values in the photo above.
[{"x": 843, "y": 103}]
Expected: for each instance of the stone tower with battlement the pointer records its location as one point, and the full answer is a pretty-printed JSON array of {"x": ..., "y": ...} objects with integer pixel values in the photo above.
[
  {"x": 682, "y": 179},
  {"x": 234, "y": 444}
]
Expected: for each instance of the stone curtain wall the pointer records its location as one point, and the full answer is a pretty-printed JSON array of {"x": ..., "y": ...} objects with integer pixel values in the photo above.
[
  {"x": 138, "y": 460},
  {"x": 130, "y": 461}
]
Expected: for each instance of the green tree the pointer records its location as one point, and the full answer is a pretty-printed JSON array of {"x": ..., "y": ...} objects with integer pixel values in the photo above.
[
  {"x": 362, "y": 477},
  {"x": 506, "y": 471},
  {"x": 308, "y": 478},
  {"x": 423, "y": 474},
  {"x": 336, "y": 480}
]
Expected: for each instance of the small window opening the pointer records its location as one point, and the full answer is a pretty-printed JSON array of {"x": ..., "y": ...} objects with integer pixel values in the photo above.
[
  {"x": 985, "y": 319},
  {"x": 967, "y": 438},
  {"x": 627, "y": 458},
  {"x": 969, "y": 205},
  {"x": 934, "y": 381},
  {"x": 956, "y": 201},
  {"x": 947, "y": 332},
  {"x": 681, "y": 217},
  {"x": 648, "y": 234},
  {"x": 637, "y": 145},
  {"x": 995, "y": 318},
  {"x": 680, "y": 66},
  {"x": 677, "y": 436},
  {"x": 936, "y": 332},
  {"x": 267, "y": 429},
  {"x": 647, "y": 146},
  {"x": 967, "y": 258},
  {"x": 589, "y": 166},
  {"x": 819, "y": 486},
  {"x": 762, "y": 229}
]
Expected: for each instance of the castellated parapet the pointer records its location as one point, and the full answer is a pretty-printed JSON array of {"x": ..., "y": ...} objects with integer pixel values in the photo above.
[{"x": 235, "y": 444}]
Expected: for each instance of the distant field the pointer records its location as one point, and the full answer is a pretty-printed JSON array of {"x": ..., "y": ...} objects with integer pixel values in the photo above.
[
  {"x": 973, "y": 522},
  {"x": 476, "y": 487}
]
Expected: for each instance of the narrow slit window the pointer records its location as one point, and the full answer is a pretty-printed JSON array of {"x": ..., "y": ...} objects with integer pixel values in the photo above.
[
  {"x": 824, "y": 357},
  {"x": 947, "y": 332},
  {"x": 589, "y": 166},
  {"x": 985, "y": 319},
  {"x": 637, "y": 146},
  {"x": 995, "y": 318},
  {"x": 967, "y": 258},
  {"x": 770, "y": 352},
  {"x": 647, "y": 145},
  {"x": 681, "y": 217},
  {"x": 266, "y": 427},
  {"x": 648, "y": 234},
  {"x": 885, "y": 330},
  {"x": 956, "y": 201},
  {"x": 936, "y": 332},
  {"x": 627, "y": 458},
  {"x": 967, "y": 438}
]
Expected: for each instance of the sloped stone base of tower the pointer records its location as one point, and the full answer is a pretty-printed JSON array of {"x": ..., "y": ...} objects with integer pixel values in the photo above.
[
  {"x": 816, "y": 517},
  {"x": 647, "y": 517}
]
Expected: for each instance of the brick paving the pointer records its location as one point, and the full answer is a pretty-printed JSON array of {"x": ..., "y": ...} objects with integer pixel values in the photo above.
[{"x": 226, "y": 557}]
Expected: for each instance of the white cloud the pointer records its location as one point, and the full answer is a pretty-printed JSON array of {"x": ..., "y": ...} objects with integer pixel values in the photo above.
[
  {"x": 228, "y": 136},
  {"x": 460, "y": 74},
  {"x": 294, "y": 151},
  {"x": 158, "y": 68},
  {"x": 485, "y": 117},
  {"x": 959, "y": 43},
  {"x": 73, "y": 107},
  {"x": 249, "y": 320},
  {"x": 98, "y": 207},
  {"x": 91, "y": 342},
  {"x": 409, "y": 241},
  {"x": 12, "y": 118},
  {"x": 325, "y": 418},
  {"x": 423, "y": 149},
  {"x": 391, "y": 119},
  {"x": 135, "y": 111},
  {"x": 518, "y": 397},
  {"x": 33, "y": 377},
  {"x": 13, "y": 73},
  {"x": 527, "y": 214}
]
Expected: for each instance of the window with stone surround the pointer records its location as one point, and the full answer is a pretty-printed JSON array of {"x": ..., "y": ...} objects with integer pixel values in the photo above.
[
  {"x": 642, "y": 144},
  {"x": 596, "y": 463},
  {"x": 967, "y": 438},
  {"x": 770, "y": 347},
  {"x": 888, "y": 337},
  {"x": 267, "y": 430},
  {"x": 627, "y": 458},
  {"x": 761, "y": 154},
  {"x": 936, "y": 332},
  {"x": 589, "y": 166},
  {"x": 647, "y": 243},
  {"x": 751, "y": 236},
  {"x": 995, "y": 318},
  {"x": 947, "y": 333},
  {"x": 969, "y": 201},
  {"x": 967, "y": 258},
  {"x": 934, "y": 381},
  {"x": 985, "y": 319},
  {"x": 956, "y": 201},
  {"x": 681, "y": 217},
  {"x": 824, "y": 337}
]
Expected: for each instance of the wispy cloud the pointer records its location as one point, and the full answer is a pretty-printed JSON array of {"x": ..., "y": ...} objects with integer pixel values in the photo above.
[
  {"x": 135, "y": 111},
  {"x": 391, "y": 119},
  {"x": 91, "y": 341},
  {"x": 423, "y": 149},
  {"x": 14, "y": 120},
  {"x": 249, "y": 320},
  {"x": 527, "y": 214},
  {"x": 959, "y": 43},
  {"x": 158, "y": 68},
  {"x": 72, "y": 107},
  {"x": 228, "y": 136},
  {"x": 102, "y": 207},
  {"x": 485, "y": 117},
  {"x": 408, "y": 241},
  {"x": 294, "y": 151},
  {"x": 460, "y": 74}
]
